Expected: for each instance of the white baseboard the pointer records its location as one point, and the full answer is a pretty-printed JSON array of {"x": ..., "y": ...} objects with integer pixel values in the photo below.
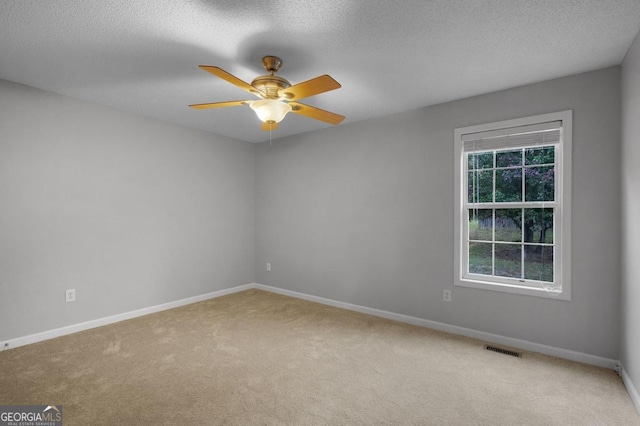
[
  {"x": 480, "y": 335},
  {"x": 633, "y": 392},
  {"x": 493, "y": 338},
  {"x": 70, "y": 329}
]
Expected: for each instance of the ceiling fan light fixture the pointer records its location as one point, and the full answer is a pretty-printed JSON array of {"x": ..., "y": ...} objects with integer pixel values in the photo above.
[{"x": 270, "y": 110}]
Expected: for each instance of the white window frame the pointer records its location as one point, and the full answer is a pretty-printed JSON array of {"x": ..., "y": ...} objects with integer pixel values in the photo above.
[{"x": 562, "y": 207}]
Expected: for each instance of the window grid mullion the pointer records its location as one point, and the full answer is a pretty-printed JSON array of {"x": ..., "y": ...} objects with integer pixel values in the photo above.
[
  {"x": 512, "y": 205},
  {"x": 522, "y": 244},
  {"x": 524, "y": 200},
  {"x": 493, "y": 215},
  {"x": 493, "y": 242}
]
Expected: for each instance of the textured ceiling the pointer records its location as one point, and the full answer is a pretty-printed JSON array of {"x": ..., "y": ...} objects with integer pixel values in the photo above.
[{"x": 142, "y": 56}]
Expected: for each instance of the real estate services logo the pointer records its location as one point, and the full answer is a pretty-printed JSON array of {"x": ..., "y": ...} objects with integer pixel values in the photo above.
[{"x": 30, "y": 415}]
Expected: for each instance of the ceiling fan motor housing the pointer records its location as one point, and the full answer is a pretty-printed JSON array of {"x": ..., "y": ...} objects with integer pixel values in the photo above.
[{"x": 270, "y": 85}]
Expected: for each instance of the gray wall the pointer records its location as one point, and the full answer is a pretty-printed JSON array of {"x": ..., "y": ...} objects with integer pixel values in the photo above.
[
  {"x": 362, "y": 213},
  {"x": 630, "y": 353},
  {"x": 131, "y": 212},
  {"x": 134, "y": 212}
]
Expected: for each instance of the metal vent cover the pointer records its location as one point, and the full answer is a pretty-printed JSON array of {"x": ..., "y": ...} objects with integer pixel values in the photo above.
[{"x": 503, "y": 351}]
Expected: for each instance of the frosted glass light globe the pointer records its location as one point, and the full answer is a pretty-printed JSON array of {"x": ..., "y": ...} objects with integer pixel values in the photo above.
[{"x": 270, "y": 110}]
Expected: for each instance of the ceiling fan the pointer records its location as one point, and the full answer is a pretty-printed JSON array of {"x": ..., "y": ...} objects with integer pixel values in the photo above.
[{"x": 276, "y": 95}]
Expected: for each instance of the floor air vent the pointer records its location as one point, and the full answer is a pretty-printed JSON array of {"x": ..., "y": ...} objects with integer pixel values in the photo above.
[{"x": 502, "y": 351}]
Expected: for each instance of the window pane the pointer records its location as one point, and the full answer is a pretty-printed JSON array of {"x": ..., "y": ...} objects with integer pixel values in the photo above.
[
  {"x": 509, "y": 158},
  {"x": 538, "y": 263},
  {"x": 480, "y": 258},
  {"x": 508, "y": 185},
  {"x": 539, "y": 183},
  {"x": 480, "y": 186},
  {"x": 538, "y": 226},
  {"x": 508, "y": 260},
  {"x": 483, "y": 160},
  {"x": 544, "y": 155},
  {"x": 481, "y": 224},
  {"x": 508, "y": 222}
]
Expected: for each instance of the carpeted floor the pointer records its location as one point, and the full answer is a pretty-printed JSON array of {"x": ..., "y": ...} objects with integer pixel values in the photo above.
[{"x": 257, "y": 358}]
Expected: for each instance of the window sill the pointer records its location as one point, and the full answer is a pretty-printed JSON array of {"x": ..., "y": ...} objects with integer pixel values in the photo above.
[{"x": 514, "y": 289}]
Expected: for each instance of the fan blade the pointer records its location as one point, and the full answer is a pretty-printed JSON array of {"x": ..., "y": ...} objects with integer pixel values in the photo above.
[
  {"x": 317, "y": 113},
  {"x": 266, "y": 126},
  {"x": 218, "y": 104},
  {"x": 219, "y": 72},
  {"x": 317, "y": 85}
]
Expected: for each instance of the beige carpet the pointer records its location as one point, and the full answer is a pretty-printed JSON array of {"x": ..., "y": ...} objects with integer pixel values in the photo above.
[{"x": 257, "y": 358}]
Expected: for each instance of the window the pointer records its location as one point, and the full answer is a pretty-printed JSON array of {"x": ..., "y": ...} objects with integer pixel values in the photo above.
[{"x": 513, "y": 206}]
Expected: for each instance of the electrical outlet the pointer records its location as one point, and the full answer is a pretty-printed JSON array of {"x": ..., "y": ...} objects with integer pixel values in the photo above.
[
  {"x": 70, "y": 295},
  {"x": 268, "y": 267},
  {"x": 446, "y": 295}
]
